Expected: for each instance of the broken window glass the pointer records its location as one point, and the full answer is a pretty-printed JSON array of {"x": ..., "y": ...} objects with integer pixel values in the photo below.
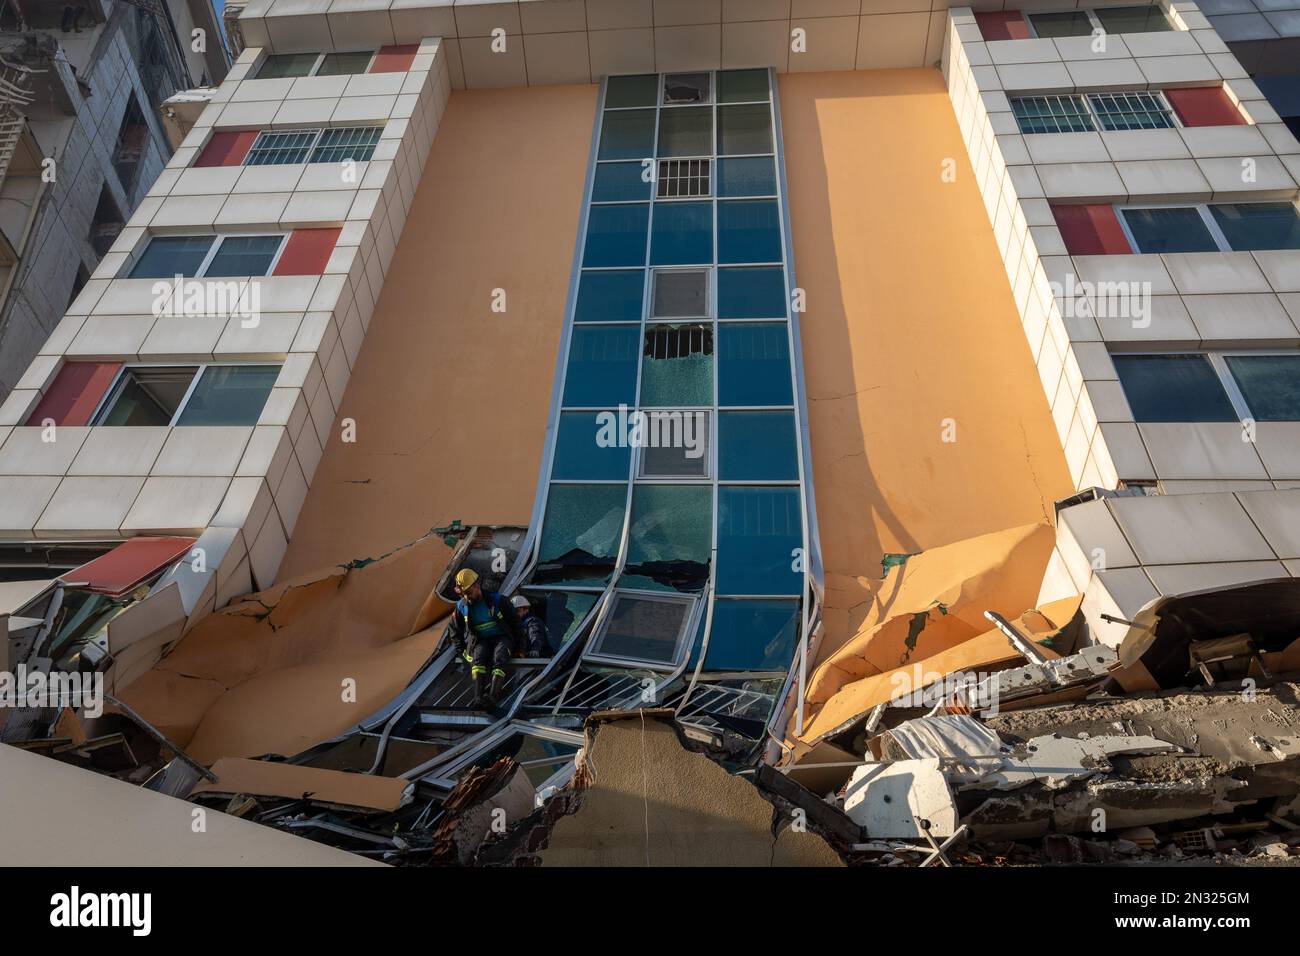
[
  {"x": 742, "y": 86},
  {"x": 587, "y": 448},
  {"x": 602, "y": 367},
  {"x": 623, "y": 91},
  {"x": 754, "y": 364},
  {"x": 751, "y": 293},
  {"x": 687, "y": 132},
  {"x": 757, "y": 446},
  {"x": 563, "y": 612},
  {"x": 749, "y": 230},
  {"x": 751, "y": 635},
  {"x": 581, "y": 530},
  {"x": 677, "y": 366},
  {"x": 610, "y": 296},
  {"x": 682, "y": 234},
  {"x": 686, "y": 88},
  {"x": 616, "y": 235},
  {"x": 747, "y": 176},
  {"x": 647, "y": 629},
  {"x": 619, "y": 181},
  {"x": 670, "y": 536},
  {"x": 680, "y": 294},
  {"x": 760, "y": 534},
  {"x": 1270, "y": 385},
  {"x": 744, "y": 130}
]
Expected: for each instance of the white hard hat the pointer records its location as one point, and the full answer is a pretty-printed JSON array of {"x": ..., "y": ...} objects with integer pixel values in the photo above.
[{"x": 520, "y": 601}]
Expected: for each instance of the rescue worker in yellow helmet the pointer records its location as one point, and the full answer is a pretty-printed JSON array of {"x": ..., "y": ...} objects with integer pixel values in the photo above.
[{"x": 485, "y": 630}]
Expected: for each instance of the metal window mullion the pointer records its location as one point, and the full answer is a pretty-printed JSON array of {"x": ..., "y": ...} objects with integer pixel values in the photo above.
[
  {"x": 185, "y": 399},
  {"x": 202, "y": 268},
  {"x": 1235, "y": 395},
  {"x": 1216, "y": 233}
]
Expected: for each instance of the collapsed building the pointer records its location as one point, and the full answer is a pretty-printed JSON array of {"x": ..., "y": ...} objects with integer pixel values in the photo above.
[{"x": 797, "y": 548}]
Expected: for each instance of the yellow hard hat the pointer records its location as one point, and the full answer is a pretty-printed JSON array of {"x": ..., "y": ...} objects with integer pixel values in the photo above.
[{"x": 466, "y": 579}]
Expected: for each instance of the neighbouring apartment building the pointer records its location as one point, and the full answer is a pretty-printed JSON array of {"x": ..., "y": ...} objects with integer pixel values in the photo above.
[
  {"x": 82, "y": 142},
  {"x": 882, "y": 277}
]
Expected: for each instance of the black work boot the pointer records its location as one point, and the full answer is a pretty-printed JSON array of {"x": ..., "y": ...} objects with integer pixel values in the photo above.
[
  {"x": 498, "y": 687},
  {"x": 480, "y": 691}
]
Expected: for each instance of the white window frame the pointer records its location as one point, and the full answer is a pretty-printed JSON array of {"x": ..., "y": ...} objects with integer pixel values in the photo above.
[
  {"x": 709, "y": 456},
  {"x": 690, "y": 620},
  {"x": 1091, "y": 112},
  {"x": 652, "y": 319},
  {"x": 320, "y": 58},
  {"x": 219, "y": 238},
  {"x": 319, "y": 133},
  {"x": 1218, "y": 362},
  {"x": 1091, "y": 13},
  {"x": 111, "y": 394},
  {"x": 1203, "y": 209}
]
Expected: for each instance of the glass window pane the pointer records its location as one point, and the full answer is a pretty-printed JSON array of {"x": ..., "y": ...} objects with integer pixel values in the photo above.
[
  {"x": 562, "y": 611},
  {"x": 632, "y": 91},
  {"x": 1145, "y": 19},
  {"x": 682, "y": 234},
  {"x": 680, "y": 294},
  {"x": 1177, "y": 229},
  {"x": 1051, "y": 114},
  {"x": 282, "y": 65},
  {"x": 582, "y": 525},
  {"x": 1073, "y": 23},
  {"x": 759, "y": 531},
  {"x": 1259, "y": 225},
  {"x": 602, "y": 367},
  {"x": 744, "y": 129},
  {"x": 168, "y": 256},
  {"x": 674, "y": 444},
  {"x": 244, "y": 256},
  {"x": 643, "y": 629},
  {"x": 344, "y": 64},
  {"x": 539, "y": 759},
  {"x": 1173, "y": 388},
  {"x": 1270, "y": 384},
  {"x": 686, "y": 88},
  {"x": 281, "y": 148},
  {"x": 671, "y": 525},
  {"x": 742, "y": 86},
  {"x": 589, "y": 447},
  {"x": 610, "y": 296},
  {"x": 619, "y": 181},
  {"x": 341, "y": 144},
  {"x": 229, "y": 395},
  {"x": 1137, "y": 110},
  {"x": 754, "y": 364},
  {"x": 686, "y": 132},
  {"x": 616, "y": 235},
  {"x": 757, "y": 446},
  {"x": 147, "y": 396},
  {"x": 677, "y": 366},
  {"x": 751, "y": 293},
  {"x": 749, "y": 230},
  {"x": 748, "y": 176},
  {"x": 752, "y": 636},
  {"x": 627, "y": 135}
]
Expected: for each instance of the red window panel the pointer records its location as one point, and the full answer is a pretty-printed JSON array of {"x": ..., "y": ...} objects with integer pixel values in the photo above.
[
  {"x": 1205, "y": 106},
  {"x": 1091, "y": 230},
  {"x": 307, "y": 252},
  {"x": 129, "y": 565},
  {"x": 1003, "y": 25},
  {"x": 75, "y": 392},
  {"x": 227, "y": 149},
  {"x": 395, "y": 59}
]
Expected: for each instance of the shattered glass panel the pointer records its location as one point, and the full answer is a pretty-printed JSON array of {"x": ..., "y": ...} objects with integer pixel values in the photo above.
[
  {"x": 643, "y": 629},
  {"x": 613, "y": 296},
  {"x": 582, "y": 526},
  {"x": 539, "y": 758},
  {"x": 602, "y": 367},
  {"x": 752, "y": 635},
  {"x": 685, "y": 88},
  {"x": 671, "y": 534},
  {"x": 749, "y": 230},
  {"x": 677, "y": 366},
  {"x": 751, "y": 293},
  {"x": 1270, "y": 385},
  {"x": 587, "y": 448},
  {"x": 563, "y": 612},
  {"x": 754, "y": 364},
  {"x": 760, "y": 532},
  {"x": 757, "y": 446}
]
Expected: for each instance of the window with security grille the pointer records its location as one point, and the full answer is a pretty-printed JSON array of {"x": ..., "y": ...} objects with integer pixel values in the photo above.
[
  {"x": 339, "y": 145},
  {"x": 680, "y": 294},
  {"x": 1137, "y": 110},
  {"x": 683, "y": 177},
  {"x": 281, "y": 148},
  {"x": 1051, "y": 114}
]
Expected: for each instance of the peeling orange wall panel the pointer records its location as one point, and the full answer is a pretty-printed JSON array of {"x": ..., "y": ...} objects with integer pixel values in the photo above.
[
  {"x": 910, "y": 324},
  {"x": 450, "y": 398}
]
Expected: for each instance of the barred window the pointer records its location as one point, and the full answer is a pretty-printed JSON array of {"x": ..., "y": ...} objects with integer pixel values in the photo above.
[
  {"x": 1051, "y": 114},
  {"x": 340, "y": 145},
  {"x": 281, "y": 148},
  {"x": 1138, "y": 110},
  {"x": 683, "y": 177}
]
